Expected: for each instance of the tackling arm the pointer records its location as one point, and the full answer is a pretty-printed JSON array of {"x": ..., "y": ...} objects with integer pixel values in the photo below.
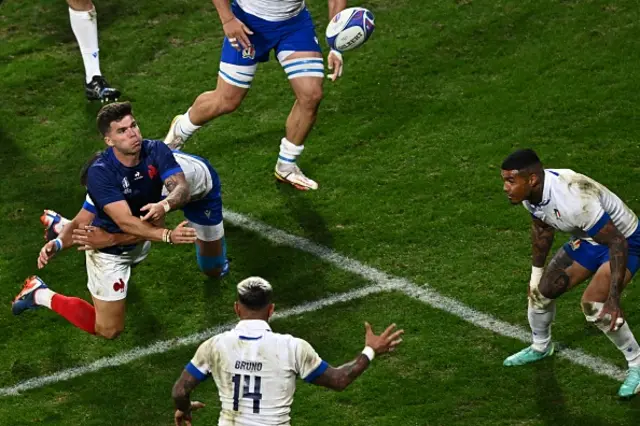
[
  {"x": 120, "y": 212},
  {"x": 82, "y": 218},
  {"x": 179, "y": 193}
]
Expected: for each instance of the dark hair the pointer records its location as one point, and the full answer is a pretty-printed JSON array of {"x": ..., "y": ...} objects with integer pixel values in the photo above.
[
  {"x": 255, "y": 293},
  {"x": 521, "y": 159},
  {"x": 85, "y": 168},
  {"x": 112, "y": 112}
]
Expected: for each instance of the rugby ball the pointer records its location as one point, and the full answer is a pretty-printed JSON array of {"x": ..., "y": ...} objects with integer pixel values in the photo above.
[{"x": 350, "y": 28}]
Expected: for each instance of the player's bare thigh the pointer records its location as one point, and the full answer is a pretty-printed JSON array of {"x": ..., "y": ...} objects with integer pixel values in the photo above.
[
  {"x": 225, "y": 99},
  {"x": 598, "y": 288},
  {"x": 109, "y": 317},
  {"x": 561, "y": 275},
  {"x": 211, "y": 249},
  {"x": 306, "y": 87}
]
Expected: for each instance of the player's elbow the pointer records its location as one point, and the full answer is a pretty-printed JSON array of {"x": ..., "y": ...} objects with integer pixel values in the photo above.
[{"x": 341, "y": 383}]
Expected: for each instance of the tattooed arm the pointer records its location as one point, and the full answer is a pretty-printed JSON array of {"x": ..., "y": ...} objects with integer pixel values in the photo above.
[
  {"x": 179, "y": 195},
  {"x": 339, "y": 378},
  {"x": 541, "y": 240},
  {"x": 610, "y": 236},
  {"x": 179, "y": 192},
  {"x": 181, "y": 396},
  {"x": 182, "y": 390}
]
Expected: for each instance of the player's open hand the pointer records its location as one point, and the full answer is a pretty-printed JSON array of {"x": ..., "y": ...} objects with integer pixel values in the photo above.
[
  {"x": 182, "y": 234},
  {"x": 237, "y": 33},
  {"x": 155, "y": 211},
  {"x": 334, "y": 62},
  {"x": 91, "y": 238},
  {"x": 386, "y": 342},
  {"x": 46, "y": 253},
  {"x": 185, "y": 419},
  {"x": 611, "y": 314}
]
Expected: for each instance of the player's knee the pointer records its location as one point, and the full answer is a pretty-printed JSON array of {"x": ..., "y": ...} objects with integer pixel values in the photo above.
[
  {"x": 592, "y": 311},
  {"x": 311, "y": 97},
  {"x": 228, "y": 102},
  {"x": 554, "y": 283},
  {"x": 109, "y": 332}
]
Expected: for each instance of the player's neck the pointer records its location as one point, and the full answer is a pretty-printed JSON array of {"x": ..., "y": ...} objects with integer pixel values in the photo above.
[
  {"x": 257, "y": 317},
  {"x": 127, "y": 160},
  {"x": 538, "y": 193}
]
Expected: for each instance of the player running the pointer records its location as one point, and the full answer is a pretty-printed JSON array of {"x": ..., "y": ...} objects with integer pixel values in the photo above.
[
  {"x": 124, "y": 182},
  {"x": 605, "y": 246},
  {"x": 253, "y": 28},
  {"x": 84, "y": 23},
  {"x": 203, "y": 213},
  {"x": 255, "y": 369}
]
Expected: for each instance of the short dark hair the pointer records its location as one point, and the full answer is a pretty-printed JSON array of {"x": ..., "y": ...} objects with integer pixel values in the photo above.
[
  {"x": 255, "y": 293},
  {"x": 521, "y": 159},
  {"x": 112, "y": 112},
  {"x": 85, "y": 168}
]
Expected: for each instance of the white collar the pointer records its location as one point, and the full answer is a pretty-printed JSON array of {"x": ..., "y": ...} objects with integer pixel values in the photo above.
[{"x": 253, "y": 325}]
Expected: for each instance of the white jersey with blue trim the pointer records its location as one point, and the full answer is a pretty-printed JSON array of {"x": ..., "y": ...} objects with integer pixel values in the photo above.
[
  {"x": 196, "y": 173},
  {"x": 272, "y": 10},
  {"x": 575, "y": 203},
  {"x": 255, "y": 372}
]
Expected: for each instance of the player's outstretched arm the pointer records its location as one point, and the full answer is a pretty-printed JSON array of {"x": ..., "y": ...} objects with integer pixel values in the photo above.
[
  {"x": 610, "y": 236},
  {"x": 65, "y": 238},
  {"x": 120, "y": 212},
  {"x": 339, "y": 378},
  {"x": 179, "y": 195},
  {"x": 181, "y": 396}
]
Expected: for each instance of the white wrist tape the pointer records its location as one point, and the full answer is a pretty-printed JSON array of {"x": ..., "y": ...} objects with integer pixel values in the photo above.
[
  {"x": 369, "y": 353},
  {"x": 166, "y": 206},
  {"x": 536, "y": 276}
]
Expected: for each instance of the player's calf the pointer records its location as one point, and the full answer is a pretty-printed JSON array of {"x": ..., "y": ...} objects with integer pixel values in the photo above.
[{"x": 212, "y": 257}]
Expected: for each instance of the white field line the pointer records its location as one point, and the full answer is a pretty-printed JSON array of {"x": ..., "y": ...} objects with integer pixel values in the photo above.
[
  {"x": 381, "y": 282},
  {"x": 193, "y": 339}
]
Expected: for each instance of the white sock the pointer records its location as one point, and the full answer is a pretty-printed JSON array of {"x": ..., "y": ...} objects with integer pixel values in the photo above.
[
  {"x": 85, "y": 27},
  {"x": 288, "y": 152},
  {"x": 184, "y": 127},
  {"x": 43, "y": 297},
  {"x": 540, "y": 321},
  {"x": 626, "y": 343}
]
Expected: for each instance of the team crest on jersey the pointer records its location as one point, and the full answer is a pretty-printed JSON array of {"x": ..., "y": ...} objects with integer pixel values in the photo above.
[
  {"x": 125, "y": 186},
  {"x": 575, "y": 244},
  {"x": 249, "y": 52},
  {"x": 153, "y": 172}
]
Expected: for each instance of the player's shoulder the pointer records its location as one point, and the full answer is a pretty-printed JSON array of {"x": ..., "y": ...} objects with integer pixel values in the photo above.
[
  {"x": 574, "y": 183},
  {"x": 100, "y": 166}
]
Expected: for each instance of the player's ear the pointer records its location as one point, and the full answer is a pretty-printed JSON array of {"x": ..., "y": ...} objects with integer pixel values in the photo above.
[
  {"x": 108, "y": 141},
  {"x": 272, "y": 308},
  {"x": 236, "y": 308}
]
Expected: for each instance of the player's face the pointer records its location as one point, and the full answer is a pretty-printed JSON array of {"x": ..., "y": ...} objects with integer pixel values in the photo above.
[
  {"x": 124, "y": 136},
  {"x": 516, "y": 186}
]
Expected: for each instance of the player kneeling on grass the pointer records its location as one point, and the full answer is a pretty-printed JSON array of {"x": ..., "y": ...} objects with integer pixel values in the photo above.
[
  {"x": 203, "y": 213},
  {"x": 255, "y": 369},
  {"x": 605, "y": 247},
  {"x": 127, "y": 177}
]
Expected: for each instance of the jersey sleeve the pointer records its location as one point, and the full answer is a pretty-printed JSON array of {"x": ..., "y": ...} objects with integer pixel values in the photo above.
[
  {"x": 89, "y": 205},
  {"x": 102, "y": 187},
  {"x": 166, "y": 162},
  {"x": 200, "y": 365},
  {"x": 591, "y": 217},
  {"x": 308, "y": 364}
]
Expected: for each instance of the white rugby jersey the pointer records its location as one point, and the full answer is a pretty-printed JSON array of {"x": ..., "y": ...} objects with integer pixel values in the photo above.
[
  {"x": 196, "y": 173},
  {"x": 255, "y": 371},
  {"x": 272, "y": 10},
  {"x": 575, "y": 203}
]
